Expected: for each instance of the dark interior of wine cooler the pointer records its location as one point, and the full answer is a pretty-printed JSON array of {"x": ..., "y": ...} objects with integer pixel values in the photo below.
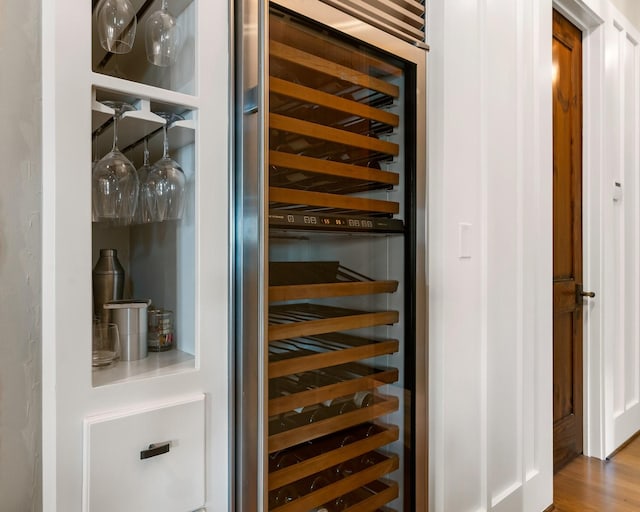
[{"x": 341, "y": 302}]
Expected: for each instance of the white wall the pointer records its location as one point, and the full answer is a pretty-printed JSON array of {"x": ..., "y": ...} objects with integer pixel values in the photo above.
[
  {"x": 630, "y": 8},
  {"x": 491, "y": 314},
  {"x": 490, "y": 166},
  {"x": 612, "y": 228},
  {"x": 622, "y": 252},
  {"x": 20, "y": 255}
]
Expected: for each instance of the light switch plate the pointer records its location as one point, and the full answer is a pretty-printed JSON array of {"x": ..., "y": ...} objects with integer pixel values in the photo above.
[{"x": 464, "y": 240}]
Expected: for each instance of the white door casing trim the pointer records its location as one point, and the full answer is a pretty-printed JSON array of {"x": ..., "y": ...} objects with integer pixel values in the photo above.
[
  {"x": 592, "y": 164},
  {"x": 611, "y": 106},
  {"x": 591, "y": 24}
]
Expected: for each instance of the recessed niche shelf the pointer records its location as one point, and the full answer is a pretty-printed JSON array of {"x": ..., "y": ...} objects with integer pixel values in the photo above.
[
  {"x": 156, "y": 364},
  {"x": 133, "y": 66}
]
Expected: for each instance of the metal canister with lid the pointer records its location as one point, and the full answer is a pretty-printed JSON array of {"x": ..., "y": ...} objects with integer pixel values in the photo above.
[{"x": 131, "y": 318}]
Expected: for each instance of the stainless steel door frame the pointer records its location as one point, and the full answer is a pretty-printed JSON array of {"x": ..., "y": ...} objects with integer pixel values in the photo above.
[
  {"x": 250, "y": 250},
  {"x": 251, "y": 279}
]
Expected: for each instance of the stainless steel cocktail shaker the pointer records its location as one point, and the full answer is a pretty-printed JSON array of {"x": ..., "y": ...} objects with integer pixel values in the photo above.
[{"x": 108, "y": 282}]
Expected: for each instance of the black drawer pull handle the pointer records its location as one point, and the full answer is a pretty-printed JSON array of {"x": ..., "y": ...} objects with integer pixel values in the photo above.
[{"x": 155, "y": 450}]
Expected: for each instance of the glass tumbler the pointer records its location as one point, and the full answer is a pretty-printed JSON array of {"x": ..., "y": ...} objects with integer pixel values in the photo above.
[{"x": 105, "y": 344}]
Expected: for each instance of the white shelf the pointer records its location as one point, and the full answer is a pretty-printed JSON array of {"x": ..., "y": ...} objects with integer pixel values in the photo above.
[
  {"x": 100, "y": 114},
  {"x": 139, "y": 90},
  {"x": 134, "y": 126},
  {"x": 156, "y": 364},
  {"x": 180, "y": 133}
]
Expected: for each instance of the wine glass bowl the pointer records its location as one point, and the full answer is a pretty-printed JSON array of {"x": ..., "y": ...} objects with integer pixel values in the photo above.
[
  {"x": 162, "y": 37},
  {"x": 116, "y": 22},
  {"x": 115, "y": 180},
  {"x": 170, "y": 181},
  {"x": 166, "y": 181}
]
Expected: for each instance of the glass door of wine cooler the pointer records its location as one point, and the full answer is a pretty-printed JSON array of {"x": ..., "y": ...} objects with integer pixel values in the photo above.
[{"x": 330, "y": 282}]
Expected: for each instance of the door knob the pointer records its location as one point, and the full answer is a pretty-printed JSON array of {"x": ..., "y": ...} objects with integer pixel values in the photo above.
[{"x": 581, "y": 294}]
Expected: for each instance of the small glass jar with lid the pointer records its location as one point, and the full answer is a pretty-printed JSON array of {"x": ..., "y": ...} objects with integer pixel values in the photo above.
[{"x": 160, "y": 330}]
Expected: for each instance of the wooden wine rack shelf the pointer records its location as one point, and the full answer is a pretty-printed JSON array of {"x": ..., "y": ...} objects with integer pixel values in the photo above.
[
  {"x": 325, "y": 133},
  {"x": 342, "y": 487},
  {"x": 331, "y": 101},
  {"x": 316, "y": 319},
  {"x": 315, "y": 64},
  {"x": 379, "y": 494},
  {"x": 279, "y": 197},
  {"x": 324, "y": 393},
  {"x": 314, "y": 353},
  {"x": 331, "y": 458},
  {"x": 329, "y": 168},
  {"x": 316, "y": 291},
  {"x": 282, "y": 440},
  {"x": 309, "y": 41}
]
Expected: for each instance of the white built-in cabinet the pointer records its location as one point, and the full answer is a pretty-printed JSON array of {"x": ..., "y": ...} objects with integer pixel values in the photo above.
[{"x": 151, "y": 434}]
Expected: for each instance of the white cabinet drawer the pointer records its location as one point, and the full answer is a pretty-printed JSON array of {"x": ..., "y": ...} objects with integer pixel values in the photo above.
[{"x": 122, "y": 473}]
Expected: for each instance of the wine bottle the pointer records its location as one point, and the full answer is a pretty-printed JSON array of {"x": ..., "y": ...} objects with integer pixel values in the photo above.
[
  {"x": 285, "y": 386},
  {"x": 282, "y": 496},
  {"x": 347, "y": 468},
  {"x": 369, "y": 459},
  {"x": 281, "y": 423},
  {"x": 319, "y": 480},
  {"x": 313, "y": 413},
  {"x": 363, "y": 399},
  {"x": 282, "y": 459},
  {"x": 340, "y": 405}
]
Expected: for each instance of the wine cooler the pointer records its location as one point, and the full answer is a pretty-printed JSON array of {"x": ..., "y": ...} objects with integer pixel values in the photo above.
[{"x": 330, "y": 278}]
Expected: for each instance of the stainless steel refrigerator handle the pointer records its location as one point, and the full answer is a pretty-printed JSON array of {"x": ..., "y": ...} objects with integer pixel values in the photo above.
[{"x": 251, "y": 101}]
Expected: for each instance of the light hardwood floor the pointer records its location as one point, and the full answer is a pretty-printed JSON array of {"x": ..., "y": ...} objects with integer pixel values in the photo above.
[{"x": 591, "y": 485}]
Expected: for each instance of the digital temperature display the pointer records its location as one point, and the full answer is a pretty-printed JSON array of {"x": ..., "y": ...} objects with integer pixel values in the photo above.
[{"x": 334, "y": 222}]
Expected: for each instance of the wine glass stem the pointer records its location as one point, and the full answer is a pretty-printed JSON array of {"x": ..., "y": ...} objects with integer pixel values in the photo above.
[
  {"x": 165, "y": 148},
  {"x": 115, "y": 133},
  {"x": 146, "y": 152}
]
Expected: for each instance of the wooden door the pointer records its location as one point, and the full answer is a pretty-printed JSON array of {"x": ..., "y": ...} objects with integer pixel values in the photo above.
[{"x": 567, "y": 241}]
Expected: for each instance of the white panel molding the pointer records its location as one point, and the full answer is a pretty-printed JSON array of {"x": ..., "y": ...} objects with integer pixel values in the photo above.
[
  {"x": 627, "y": 411},
  {"x": 593, "y": 246},
  {"x": 538, "y": 469},
  {"x": 523, "y": 61},
  {"x": 632, "y": 282},
  {"x": 436, "y": 264},
  {"x": 490, "y": 379},
  {"x": 456, "y": 398},
  {"x": 506, "y": 233},
  {"x": 484, "y": 251},
  {"x": 504, "y": 499},
  {"x": 611, "y": 94},
  {"x": 612, "y": 250}
]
